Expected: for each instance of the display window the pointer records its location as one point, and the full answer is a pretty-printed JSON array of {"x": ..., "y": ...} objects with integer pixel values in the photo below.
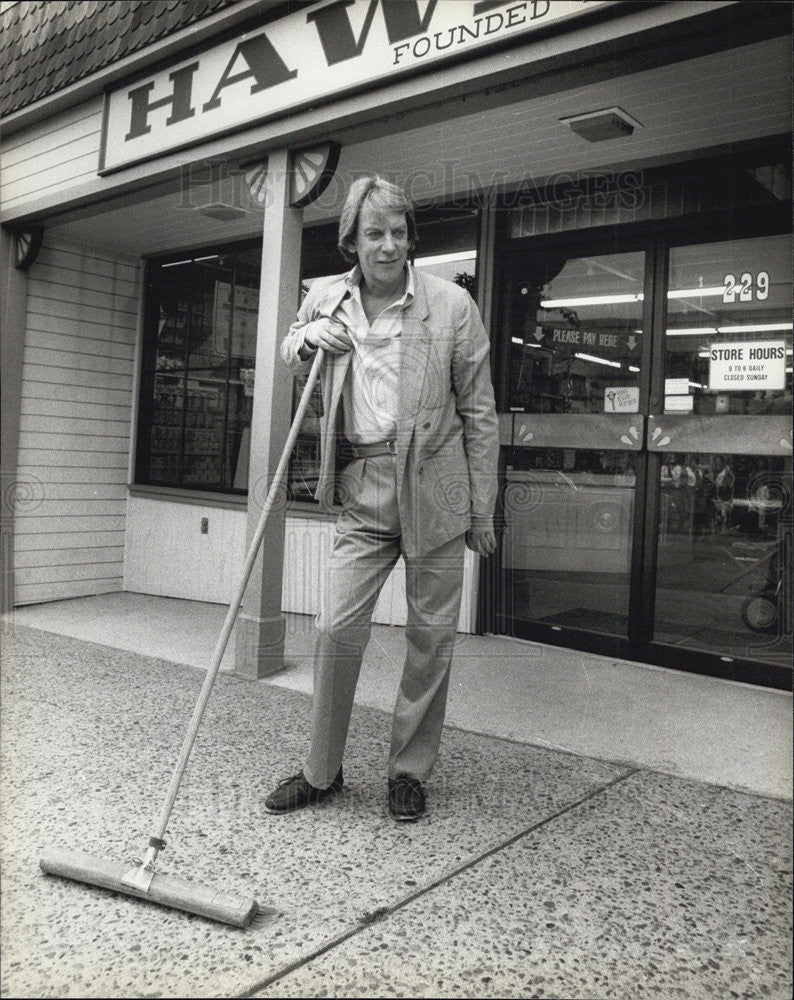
[
  {"x": 197, "y": 374},
  {"x": 197, "y": 377}
]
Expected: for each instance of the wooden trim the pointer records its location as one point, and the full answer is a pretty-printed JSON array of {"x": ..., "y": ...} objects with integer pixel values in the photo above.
[
  {"x": 13, "y": 301},
  {"x": 486, "y": 265},
  {"x": 28, "y": 244},
  {"x": 203, "y": 498},
  {"x": 260, "y": 639},
  {"x": 313, "y": 168},
  {"x": 485, "y": 275},
  {"x": 135, "y": 403}
]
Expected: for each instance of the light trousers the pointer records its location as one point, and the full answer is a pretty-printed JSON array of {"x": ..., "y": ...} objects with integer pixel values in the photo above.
[{"x": 366, "y": 548}]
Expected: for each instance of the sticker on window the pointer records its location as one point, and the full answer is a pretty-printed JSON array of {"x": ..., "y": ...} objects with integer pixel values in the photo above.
[{"x": 622, "y": 399}]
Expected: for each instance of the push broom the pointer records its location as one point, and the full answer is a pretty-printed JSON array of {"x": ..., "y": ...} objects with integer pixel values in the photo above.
[{"x": 142, "y": 881}]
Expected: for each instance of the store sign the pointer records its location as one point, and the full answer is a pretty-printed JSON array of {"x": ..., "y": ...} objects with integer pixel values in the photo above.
[
  {"x": 312, "y": 55},
  {"x": 747, "y": 365},
  {"x": 588, "y": 338}
]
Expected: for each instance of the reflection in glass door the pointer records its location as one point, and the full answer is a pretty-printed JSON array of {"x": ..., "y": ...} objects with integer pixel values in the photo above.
[
  {"x": 567, "y": 543},
  {"x": 723, "y": 565},
  {"x": 576, "y": 334},
  {"x": 646, "y": 405},
  {"x": 572, "y": 388}
]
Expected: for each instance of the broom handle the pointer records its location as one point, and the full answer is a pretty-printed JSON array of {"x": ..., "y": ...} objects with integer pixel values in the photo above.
[{"x": 156, "y": 842}]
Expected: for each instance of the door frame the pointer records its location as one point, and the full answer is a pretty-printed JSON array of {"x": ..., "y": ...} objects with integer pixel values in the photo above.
[{"x": 655, "y": 239}]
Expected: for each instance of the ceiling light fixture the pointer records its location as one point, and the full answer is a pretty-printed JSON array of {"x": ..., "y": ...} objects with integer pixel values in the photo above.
[
  {"x": 445, "y": 258},
  {"x": 608, "y": 300},
  {"x": 597, "y": 360},
  {"x": 223, "y": 212},
  {"x": 756, "y": 328},
  {"x": 607, "y": 123},
  {"x": 696, "y": 293},
  {"x": 697, "y": 331},
  {"x": 591, "y": 300}
]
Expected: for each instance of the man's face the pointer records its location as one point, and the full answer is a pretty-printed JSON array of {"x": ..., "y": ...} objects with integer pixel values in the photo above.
[{"x": 382, "y": 248}]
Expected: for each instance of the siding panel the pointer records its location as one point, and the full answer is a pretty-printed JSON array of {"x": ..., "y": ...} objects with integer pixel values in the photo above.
[
  {"x": 38, "y": 593},
  {"x": 57, "y": 305},
  {"x": 53, "y": 525},
  {"x": 77, "y": 574},
  {"x": 54, "y": 444},
  {"x": 86, "y": 427},
  {"x": 73, "y": 540},
  {"x": 58, "y": 274},
  {"x": 51, "y": 461},
  {"x": 54, "y": 155},
  {"x": 74, "y": 142},
  {"x": 56, "y": 358},
  {"x": 75, "y": 426},
  {"x": 63, "y": 474},
  {"x": 81, "y": 337},
  {"x": 69, "y": 557},
  {"x": 51, "y": 390},
  {"x": 79, "y": 121},
  {"x": 85, "y": 296},
  {"x": 111, "y": 413},
  {"x": 81, "y": 508},
  {"x": 76, "y": 169},
  {"x": 84, "y": 491},
  {"x": 87, "y": 264}
]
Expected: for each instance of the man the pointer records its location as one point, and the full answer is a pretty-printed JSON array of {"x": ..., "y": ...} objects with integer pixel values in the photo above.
[{"x": 406, "y": 387}]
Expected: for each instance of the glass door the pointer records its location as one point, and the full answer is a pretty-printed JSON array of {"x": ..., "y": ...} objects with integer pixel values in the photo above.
[
  {"x": 723, "y": 447},
  {"x": 645, "y": 397},
  {"x": 572, "y": 434}
]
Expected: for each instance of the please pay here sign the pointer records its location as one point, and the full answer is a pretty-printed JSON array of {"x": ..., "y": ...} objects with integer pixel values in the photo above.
[{"x": 747, "y": 365}]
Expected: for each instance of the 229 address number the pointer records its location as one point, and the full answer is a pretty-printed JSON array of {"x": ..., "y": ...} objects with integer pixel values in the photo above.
[{"x": 746, "y": 288}]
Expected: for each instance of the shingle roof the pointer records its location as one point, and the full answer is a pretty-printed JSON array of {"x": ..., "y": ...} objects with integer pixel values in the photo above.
[{"x": 46, "y": 45}]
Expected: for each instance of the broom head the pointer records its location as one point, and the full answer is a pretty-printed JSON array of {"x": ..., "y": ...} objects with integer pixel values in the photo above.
[{"x": 180, "y": 894}]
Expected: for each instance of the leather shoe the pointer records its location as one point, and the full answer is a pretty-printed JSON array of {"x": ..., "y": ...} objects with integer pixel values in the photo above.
[
  {"x": 406, "y": 798},
  {"x": 296, "y": 793}
]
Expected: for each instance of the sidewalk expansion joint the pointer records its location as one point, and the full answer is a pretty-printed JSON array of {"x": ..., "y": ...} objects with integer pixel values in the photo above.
[{"x": 383, "y": 912}]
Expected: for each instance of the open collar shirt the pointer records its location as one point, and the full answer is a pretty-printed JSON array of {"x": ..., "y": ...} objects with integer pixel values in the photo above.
[{"x": 370, "y": 394}]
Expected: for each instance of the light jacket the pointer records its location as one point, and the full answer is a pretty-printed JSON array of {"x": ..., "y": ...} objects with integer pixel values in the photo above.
[{"x": 447, "y": 442}]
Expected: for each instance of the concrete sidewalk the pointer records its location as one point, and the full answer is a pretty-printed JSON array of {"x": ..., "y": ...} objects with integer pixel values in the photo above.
[
  {"x": 537, "y": 872},
  {"x": 711, "y": 730}
]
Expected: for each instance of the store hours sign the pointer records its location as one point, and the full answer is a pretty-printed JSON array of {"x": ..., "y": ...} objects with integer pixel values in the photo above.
[
  {"x": 309, "y": 56},
  {"x": 747, "y": 366}
]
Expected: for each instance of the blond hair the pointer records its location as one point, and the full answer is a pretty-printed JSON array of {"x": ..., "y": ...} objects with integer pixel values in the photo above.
[{"x": 382, "y": 195}]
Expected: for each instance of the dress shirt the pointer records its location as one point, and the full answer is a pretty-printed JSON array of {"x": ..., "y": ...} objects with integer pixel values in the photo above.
[{"x": 370, "y": 394}]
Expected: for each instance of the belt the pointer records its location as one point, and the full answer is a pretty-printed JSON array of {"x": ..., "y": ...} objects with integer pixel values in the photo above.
[{"x": 374, "y": 449}]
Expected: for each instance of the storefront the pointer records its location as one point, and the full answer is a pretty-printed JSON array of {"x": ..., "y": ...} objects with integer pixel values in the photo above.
[{"x": 611, "y": 181}]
